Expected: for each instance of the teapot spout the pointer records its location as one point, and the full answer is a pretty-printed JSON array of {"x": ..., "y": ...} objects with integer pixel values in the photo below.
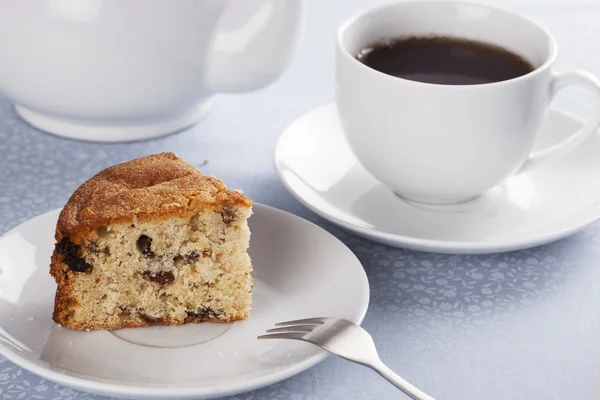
[{"x": 252, "y": 44}]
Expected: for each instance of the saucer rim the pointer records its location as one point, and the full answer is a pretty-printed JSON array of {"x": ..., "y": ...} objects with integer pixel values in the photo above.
[
  {"x": 79, "y": 382},
  {"x": 419, "y": 244}
]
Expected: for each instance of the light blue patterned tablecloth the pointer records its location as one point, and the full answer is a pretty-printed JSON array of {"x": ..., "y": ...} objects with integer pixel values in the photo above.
[{"x": 520, "y": 325}]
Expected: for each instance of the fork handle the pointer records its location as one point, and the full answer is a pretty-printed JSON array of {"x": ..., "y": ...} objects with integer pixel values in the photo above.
[{"x": 400, "y": 383}]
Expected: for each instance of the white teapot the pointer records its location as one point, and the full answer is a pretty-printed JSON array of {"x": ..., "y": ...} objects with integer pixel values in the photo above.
[{"x": 113, "y": 70}]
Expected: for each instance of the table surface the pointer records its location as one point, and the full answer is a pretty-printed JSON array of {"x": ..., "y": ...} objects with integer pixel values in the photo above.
[{"x": 520, "y": 325}]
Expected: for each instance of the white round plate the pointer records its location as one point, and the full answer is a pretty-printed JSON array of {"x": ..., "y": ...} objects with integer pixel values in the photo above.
[
  {"x": 317, "y": 166},
  {"x": 300, "y": 271}
]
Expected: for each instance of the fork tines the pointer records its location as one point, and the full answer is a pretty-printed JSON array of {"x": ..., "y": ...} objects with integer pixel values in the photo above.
[{"x": 293, "y": 329}]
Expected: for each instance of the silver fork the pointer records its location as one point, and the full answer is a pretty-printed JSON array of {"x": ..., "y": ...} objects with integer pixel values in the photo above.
[{"x": 347, "y": 340}]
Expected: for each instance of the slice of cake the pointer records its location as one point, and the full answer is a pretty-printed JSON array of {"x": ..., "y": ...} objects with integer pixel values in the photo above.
[{"x": 152, "y": 241}]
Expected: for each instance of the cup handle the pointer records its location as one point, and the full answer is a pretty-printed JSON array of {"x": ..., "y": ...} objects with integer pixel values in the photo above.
[{"x": 560, "y": 81}]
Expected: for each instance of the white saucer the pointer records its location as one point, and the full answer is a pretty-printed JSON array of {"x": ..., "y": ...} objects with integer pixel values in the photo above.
[
  {"x": 298, "y": 273},
  {"x": 316, "y": 165}
]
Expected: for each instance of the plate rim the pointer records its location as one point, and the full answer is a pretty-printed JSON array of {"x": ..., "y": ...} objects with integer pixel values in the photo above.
[
  {"x": 149, "y": 392},
  {"x": 419, "y": 244}
]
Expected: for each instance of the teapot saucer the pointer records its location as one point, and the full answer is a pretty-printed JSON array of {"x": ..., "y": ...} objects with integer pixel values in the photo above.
[{"x": 316, "y": 165}]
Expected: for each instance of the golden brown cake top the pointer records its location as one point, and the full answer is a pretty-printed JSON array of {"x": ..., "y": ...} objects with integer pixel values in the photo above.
[{"x": 148, "y": 188}]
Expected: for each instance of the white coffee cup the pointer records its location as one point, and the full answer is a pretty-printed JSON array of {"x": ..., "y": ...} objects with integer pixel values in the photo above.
[
  {"x": 444, "y": 143},
  {"x": 112, "y": 70}
]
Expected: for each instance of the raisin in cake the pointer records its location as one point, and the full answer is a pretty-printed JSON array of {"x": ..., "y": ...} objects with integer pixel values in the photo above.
[{"x": 152, "y": 241}]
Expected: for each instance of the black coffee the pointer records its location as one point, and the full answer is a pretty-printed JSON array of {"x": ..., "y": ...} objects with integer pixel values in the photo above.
[{"x": 444, "y": 60}]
